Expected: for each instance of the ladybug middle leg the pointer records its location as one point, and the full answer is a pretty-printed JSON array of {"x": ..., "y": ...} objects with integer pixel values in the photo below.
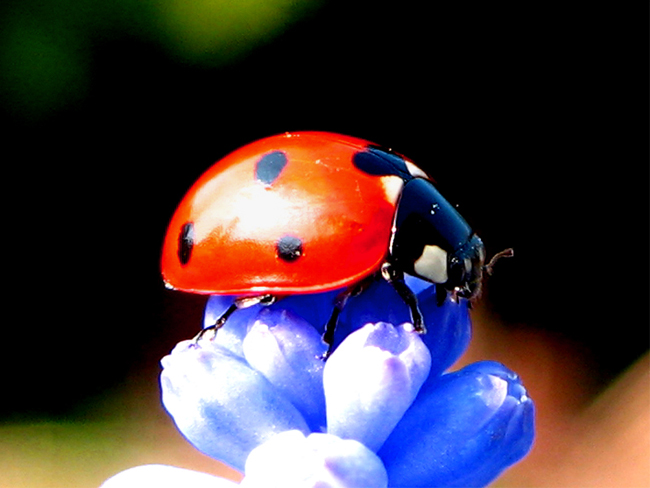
[
  {"x": 239, "y": 303},
  {"x": 330, "y": 327},
  {"x": 339, "y": 305},
  {"x": 396, "y": 278}
]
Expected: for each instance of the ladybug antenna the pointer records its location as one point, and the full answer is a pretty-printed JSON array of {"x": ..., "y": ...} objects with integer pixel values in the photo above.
[{"x": 506, "y": 253}]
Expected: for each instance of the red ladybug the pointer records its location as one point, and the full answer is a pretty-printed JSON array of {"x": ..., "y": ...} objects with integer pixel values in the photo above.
[{"x": 310, "y": 212}]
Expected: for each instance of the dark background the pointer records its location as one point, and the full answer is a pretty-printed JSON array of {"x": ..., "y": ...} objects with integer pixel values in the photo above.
[{"x": 526, "y": 114}]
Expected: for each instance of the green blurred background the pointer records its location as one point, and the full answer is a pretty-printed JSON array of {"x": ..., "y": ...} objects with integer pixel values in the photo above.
[{"x": 524, "y": 113}]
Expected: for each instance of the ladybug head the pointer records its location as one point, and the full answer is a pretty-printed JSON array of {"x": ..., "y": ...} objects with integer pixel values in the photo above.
[
  {"x": 465, "y": 269},
  {"x": 432, "y": 241}
]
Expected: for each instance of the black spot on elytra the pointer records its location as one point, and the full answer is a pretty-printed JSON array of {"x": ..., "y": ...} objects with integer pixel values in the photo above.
[
  {"x": 185, "y": 243},
  {"x": 380, "y": 162},
  {"x": 289, "y": 248},
  {"x": 270, "y": 166}
]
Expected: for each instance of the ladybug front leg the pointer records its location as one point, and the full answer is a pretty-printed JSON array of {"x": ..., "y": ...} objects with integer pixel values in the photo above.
[
  {"x": 239, "y": 303},
  {"x": 396, "y": 278}
]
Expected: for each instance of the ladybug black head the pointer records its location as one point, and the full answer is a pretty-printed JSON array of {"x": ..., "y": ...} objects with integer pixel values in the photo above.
[
  {"x": 465, "y": 269},
  {"x": 432, "y": 241}
]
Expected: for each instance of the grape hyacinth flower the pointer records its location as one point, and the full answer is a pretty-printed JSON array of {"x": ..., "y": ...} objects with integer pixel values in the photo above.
[{"x": 380, "y": 412}]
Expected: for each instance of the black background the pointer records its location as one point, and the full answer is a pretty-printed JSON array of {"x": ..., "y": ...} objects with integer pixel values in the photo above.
[{"x": 526, "y": 114}]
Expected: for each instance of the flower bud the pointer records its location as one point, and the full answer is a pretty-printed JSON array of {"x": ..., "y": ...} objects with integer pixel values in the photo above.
[
  {"x": 223, "y": 406},
  {"x": 449, "y": 326},
  {"x": 287, "y": 351},
  {"x": 463, "y": 431},
  {"x": 162, "y": 476},
  {"x": 291, "y": 460},
  {"x": 371, "y": 380}
]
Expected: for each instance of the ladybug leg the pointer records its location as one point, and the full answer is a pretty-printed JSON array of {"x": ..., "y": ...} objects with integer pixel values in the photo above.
[
  {"x": 396, "y": 278},
  {"x": 217, "y": 325},
  {"x": 330, "y": 327},
  {"x": 441, "y": 295},
  {"x": 239, "y": 303}
]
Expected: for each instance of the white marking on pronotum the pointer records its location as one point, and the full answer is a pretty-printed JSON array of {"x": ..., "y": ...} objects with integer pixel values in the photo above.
[
  {"x": 392, "y": 187},
  {"x": 415, "y": 171},
  {"x": 432, "y": 264}
]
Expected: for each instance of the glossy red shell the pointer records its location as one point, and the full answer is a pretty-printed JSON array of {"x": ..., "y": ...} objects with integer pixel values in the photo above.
[{"x": 342, "y": 215}]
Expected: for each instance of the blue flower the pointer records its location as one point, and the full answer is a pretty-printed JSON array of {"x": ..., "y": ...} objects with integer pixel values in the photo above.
[{"x": 380, "y": 412}]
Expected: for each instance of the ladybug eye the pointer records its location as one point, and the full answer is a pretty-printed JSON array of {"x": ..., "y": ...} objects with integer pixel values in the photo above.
[
  {"x": 457, "y": 271},
  {"x": 185, "y": 243}
]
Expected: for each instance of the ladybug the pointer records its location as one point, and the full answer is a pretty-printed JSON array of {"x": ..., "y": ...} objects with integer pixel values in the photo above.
[{"x": 310, "y": 212}]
